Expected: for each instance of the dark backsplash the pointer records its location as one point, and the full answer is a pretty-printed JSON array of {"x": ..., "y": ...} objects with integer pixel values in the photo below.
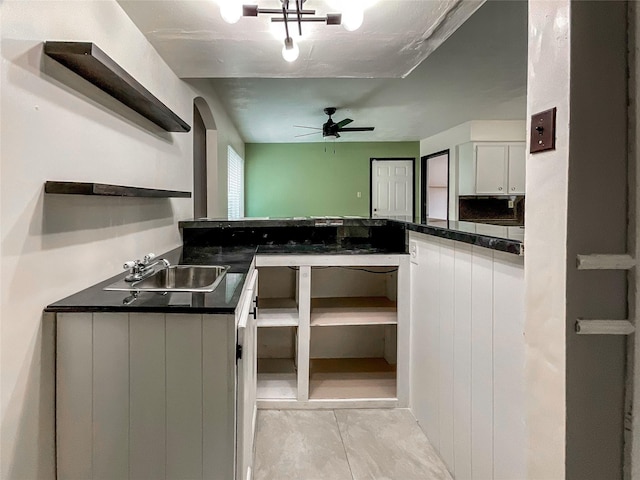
[
  {"x": 389, "y": 236},
  {"x": 492, "y": 209}
]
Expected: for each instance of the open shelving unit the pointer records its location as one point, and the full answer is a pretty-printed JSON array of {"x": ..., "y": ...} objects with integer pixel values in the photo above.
[
  {"x": 341, "y": 319},
  {"x": 335, "y": 311},
  {"x": 278, "y": 312},
  {"x": 277, "y": 379},
  {"x": 348, "y": 378},
  {"x": 353, "y": 333},
  {"x": 278, "y": 321}
]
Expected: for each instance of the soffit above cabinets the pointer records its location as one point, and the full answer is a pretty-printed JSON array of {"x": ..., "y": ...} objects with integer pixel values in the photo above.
[{"x": 396, "y": 36}]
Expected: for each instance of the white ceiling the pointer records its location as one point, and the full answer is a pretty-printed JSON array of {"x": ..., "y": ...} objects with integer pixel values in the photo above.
[{"x": 478, "y": 73}]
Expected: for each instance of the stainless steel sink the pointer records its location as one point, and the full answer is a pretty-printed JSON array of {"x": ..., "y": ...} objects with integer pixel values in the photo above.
[{"x": 177, "y": 278}]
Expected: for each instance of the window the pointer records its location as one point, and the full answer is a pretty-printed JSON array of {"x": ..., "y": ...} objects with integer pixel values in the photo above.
[{"x": 235, "y": 184}]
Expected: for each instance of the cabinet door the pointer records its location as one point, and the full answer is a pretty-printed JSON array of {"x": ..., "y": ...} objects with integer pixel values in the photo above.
[
  {"x": 491, "y": 169},
  {"x": 517, "y": 168},
  {"x": 246, "y": 407},
  {"x": 466, "y": 171}
]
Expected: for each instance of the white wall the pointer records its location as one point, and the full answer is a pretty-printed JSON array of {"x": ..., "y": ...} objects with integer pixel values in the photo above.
[
  {"x": 472, "y": 131},
  {"x": 467, "y": 356},
  {"x": 53, "y": 245},
  {"x": 546, "y": 239}
]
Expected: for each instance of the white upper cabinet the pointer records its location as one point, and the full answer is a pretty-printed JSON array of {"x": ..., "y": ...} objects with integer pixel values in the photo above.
[
  {"x": 491, "y": 168},
  {"x": 517, "y": 168}
]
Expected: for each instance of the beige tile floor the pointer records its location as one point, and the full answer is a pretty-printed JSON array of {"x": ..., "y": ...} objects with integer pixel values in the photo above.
[{"x": 350, "y": 444}]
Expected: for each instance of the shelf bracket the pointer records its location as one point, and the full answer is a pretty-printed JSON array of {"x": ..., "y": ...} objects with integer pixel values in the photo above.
[
  {"x": 604, "y": 327},
  {"x": 605, "y": 262}
]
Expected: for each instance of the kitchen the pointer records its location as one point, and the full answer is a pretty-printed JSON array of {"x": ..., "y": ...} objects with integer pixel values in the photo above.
[{"x": 54, "y": 246}]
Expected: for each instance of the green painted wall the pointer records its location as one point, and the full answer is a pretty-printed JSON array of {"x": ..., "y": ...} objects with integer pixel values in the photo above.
[{"x": 300, "y": 179}]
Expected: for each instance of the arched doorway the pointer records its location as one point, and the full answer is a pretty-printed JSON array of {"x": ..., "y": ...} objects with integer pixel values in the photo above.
[{"x": 202, "y": 121}]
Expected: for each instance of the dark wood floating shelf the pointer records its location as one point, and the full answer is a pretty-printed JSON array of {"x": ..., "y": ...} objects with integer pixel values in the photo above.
[
  {"x": 87, "y": 188},
  {"x": 95, "y": 66}
]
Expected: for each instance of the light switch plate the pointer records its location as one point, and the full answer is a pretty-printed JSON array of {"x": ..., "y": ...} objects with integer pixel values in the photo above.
[
  {"x": 543, "y": 131},
  {"x": 413, "y": 251}
]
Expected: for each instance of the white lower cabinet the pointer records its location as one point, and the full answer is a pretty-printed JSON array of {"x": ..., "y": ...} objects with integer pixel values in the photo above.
[
  {"x": 468, "y": 356},
  {"x": 152, "y": 395},
  {"x": 247, "y": 375},
  {"x": 333, "y": 331}
]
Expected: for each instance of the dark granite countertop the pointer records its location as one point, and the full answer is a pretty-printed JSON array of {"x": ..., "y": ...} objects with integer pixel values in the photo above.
[
  {"x": 223, "y": 300},
  {"x": 362, "y": 249},
  {"x": 352, "y": 221},
  {"x": 235, "y": 243},
  {"x": 504, "y": 238}
]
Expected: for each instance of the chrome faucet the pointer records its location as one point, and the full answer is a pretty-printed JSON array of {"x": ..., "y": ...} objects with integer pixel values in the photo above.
[{"x": 142, "y": 269}]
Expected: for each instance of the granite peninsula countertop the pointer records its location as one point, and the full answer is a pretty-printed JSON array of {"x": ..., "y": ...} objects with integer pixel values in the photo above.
[
  {"x": 237, "y": 242},
  {"x": 223, "y": 300},
  {"x": 504, "y": 238}
]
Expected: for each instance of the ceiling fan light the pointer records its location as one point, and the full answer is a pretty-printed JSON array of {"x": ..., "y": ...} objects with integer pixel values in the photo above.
[
  {"x": 352, "y": 18},
  {"x": 230, "y": 10},
  {"x": 290, "y": 50}
]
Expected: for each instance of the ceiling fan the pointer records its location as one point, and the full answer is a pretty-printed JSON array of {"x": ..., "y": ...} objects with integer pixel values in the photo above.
[{"x": 331, "y": 129}]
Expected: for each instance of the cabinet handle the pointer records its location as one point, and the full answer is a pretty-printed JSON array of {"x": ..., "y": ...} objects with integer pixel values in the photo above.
[
  {"x": 500, "y": 188},
  {"x": 513, "y": 188},
  {"x": 254, "y": 313}
]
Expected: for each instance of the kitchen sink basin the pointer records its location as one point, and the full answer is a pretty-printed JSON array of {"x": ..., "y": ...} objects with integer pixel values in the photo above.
[{"x": 177, "y": 278}]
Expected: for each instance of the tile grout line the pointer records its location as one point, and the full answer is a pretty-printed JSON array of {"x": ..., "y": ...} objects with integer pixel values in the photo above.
[{"x": 344, "y": 447}]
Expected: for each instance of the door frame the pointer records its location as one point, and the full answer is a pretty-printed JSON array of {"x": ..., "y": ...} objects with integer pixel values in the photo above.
[
  {"x": 423, "y": 182},
  {"x": 199, "y": 164},
  {"x": 413, "y": 182}
]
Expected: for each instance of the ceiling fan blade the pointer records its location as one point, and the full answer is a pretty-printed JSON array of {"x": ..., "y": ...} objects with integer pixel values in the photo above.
[
  {"x": 302, "y": 126},
  {"x": 306, "y": 134},
  {"x": 357, "y": 129},
  {"x": 344, "y": 122}
]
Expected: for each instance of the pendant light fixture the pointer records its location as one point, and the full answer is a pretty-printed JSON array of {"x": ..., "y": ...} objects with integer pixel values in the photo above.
[
  {"x": 290, "y": 50},
  {"x": 352, "y": 17},
  {"x": 232, "y": 10}
]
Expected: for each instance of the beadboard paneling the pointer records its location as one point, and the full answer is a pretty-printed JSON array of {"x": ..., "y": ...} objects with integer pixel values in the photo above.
[
  {"x": 462, "y": 361},
  {"x": 446, "y": 316},
  {"x": 147, "y": 437},
  {"x": 508, "y": 368},
  {"x": 184, "y": 396},
  {"x": 482, "y": 363},
  {"x": 110, "y": 389},
  {"x": 74, "y": 406},
  {"x": 130, "y": 397},
  {"x": 467, "y": 357},
  {"x": 218, "y": 412}
]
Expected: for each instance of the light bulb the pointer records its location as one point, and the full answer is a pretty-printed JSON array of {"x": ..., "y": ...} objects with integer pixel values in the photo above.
[
  {"x": 352, "y": 18},
  {"x": 230, "y": 10},
  {"x": 290, "y": 50}
]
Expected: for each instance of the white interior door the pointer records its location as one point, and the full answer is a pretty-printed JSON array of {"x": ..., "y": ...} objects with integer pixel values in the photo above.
[{"x": 392, "y": 189}]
